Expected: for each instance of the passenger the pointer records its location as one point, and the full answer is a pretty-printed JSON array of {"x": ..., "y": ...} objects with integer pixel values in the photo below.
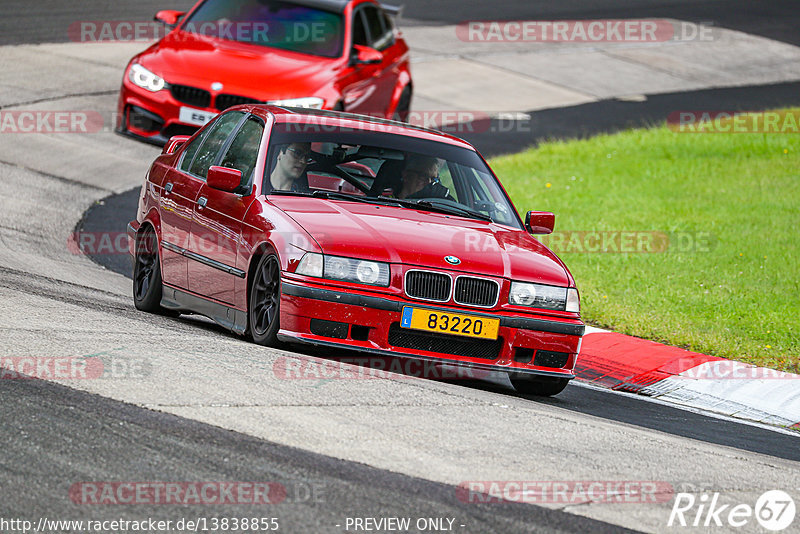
[{"x": 289, "y": 173}]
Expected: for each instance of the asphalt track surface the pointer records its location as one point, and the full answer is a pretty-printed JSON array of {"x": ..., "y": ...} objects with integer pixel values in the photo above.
[
  {"x": 91, "y": 438},
  {"x": 53, "y": 436}
]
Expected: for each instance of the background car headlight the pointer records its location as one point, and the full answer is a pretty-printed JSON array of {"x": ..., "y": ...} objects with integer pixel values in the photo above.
[
  {"x": 539, "y": 296},
  {"x": 145, "y": 79},
  {"x": 312, "y": 102},
  {"x": 346, "y": 269}
]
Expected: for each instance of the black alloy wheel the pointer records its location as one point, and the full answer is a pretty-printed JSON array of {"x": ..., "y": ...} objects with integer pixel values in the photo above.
[
  {"x": 147, "y": 273},
  {"x": 263, "y": 314}
]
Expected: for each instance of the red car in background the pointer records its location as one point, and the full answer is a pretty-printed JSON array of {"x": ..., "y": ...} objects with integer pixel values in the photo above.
[
  {"x": 351, "y": 232},
  {"x": 342, "y": 55}
]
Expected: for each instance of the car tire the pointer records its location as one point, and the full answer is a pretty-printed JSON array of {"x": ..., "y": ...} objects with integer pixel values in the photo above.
[
  {"x": 403, "y": 108},
  {"x": 147, "y": 285},
  {"x": 539, "y": 386},
  {"x": 263, "y": 312}
]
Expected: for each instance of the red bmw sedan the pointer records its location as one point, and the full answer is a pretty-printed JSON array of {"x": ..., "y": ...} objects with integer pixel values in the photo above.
[
  {"x": 343, "y": 231},
  {"x": 343, "y": 55}
]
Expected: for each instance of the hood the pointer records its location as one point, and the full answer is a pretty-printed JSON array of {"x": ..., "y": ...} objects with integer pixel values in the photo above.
[
  {"x": 402, "y": 235},
  {"x": 244, "y": 69}
]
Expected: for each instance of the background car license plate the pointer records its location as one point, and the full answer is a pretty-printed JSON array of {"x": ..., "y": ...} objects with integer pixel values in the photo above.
[
  {"x": 449, "y": 323},
  {"x": 198, "y": 117}
]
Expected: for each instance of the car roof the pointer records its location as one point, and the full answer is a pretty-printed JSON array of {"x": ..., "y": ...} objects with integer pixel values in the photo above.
[
  {"x": 338, "y": 6},
  {"x": 352, "y": 120},
  {"x": 327, "y": 5}
]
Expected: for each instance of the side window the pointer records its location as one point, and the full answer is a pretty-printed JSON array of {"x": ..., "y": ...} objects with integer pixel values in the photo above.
[
  {"x": 446, "y": 179},
  {"x": 478, "y": 190},
  {"x": 359, "y": 29},
  {"x": 387, "y": 25},
  {"x": 243, "y": 152},
  {"x": 379, "y": 37},
  {"x": 214, "y": 141},
  {"x": 191, "y": 150}
]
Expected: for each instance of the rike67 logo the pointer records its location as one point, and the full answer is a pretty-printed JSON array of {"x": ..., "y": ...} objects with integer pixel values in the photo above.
[{"x": 774, "y": 511}]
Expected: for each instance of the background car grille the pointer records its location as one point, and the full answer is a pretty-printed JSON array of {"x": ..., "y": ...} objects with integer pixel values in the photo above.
[
  {"x": 470, "y": 348},
  {"x": 191, "y": 95},
  {"x": 223, "y": 102},
  {"x": 428, "y": 286},
  {"x": 476, "y": 291}
]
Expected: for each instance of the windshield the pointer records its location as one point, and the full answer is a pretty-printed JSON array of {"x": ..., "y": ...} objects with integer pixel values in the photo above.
[
  {"x": 348, "y": 164},
  {"x": 270, "y": 23}
]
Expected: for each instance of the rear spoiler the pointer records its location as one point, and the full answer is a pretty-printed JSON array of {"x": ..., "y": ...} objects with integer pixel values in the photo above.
[{"x": 395, "y": 11}]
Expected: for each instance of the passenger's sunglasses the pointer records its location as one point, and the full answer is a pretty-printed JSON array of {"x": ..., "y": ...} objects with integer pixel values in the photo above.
[{"x": 300, "y": 155}]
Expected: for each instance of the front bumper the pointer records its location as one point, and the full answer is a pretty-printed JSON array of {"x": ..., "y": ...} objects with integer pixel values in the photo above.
[
  {"x": 152, "y": 117},
  {"x": 359, "y": 321}
]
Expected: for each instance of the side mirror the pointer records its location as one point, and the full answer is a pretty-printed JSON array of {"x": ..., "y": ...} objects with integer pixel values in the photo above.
[
  {"x": 364, "y": 55},
  {"x": 174, "y": 143},
  {"x": 540, "y": 222},
  {"x": 169, "y": 17},
  {"x": 224, "y": 179}
]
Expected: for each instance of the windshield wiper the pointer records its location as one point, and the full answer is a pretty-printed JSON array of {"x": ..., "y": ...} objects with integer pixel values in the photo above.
[
  {"x": 289, "y": 192},
  {"x": 433, "y": 205},
  {"x": 321, "y": 193},
  {"x": 456, "y": 210}
]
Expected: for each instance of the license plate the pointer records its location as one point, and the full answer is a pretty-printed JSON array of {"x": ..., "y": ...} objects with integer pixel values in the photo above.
[
  {"x": 198, "y": 117},
  {"x": 449, "y": 323}
]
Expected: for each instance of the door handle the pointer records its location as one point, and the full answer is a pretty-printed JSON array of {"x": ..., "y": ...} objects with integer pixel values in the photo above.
[
  {"x": 168, "y": 187},
  {"x": 201, "y": 202}
]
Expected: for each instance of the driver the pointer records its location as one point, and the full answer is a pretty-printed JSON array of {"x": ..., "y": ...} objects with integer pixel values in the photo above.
[
  {"x": 419, "y": 172},
  {"x": 289, "y": 173}
]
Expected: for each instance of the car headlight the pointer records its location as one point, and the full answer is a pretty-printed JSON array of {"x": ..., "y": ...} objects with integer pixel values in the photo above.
[
  {"x": 312, "y": 102},
  {"x": 145, "y": 79},
  {"x": 311, "y": 265},
  {"x": 573, "y": 300},
  {"x": 346, "y": 269},
  {"x": 541, "y": 296}
]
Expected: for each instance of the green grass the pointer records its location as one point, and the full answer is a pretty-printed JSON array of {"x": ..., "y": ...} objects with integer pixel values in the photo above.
[{"x": 735, "y": 295}]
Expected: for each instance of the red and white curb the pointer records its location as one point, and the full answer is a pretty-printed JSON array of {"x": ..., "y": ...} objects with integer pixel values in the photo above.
[{"x": 691, "y": 379}]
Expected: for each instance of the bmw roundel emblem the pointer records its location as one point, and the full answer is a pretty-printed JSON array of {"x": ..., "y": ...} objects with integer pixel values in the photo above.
[
  {"x": 452, "y": 260},
  {"x": 216, "y": 86}
]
